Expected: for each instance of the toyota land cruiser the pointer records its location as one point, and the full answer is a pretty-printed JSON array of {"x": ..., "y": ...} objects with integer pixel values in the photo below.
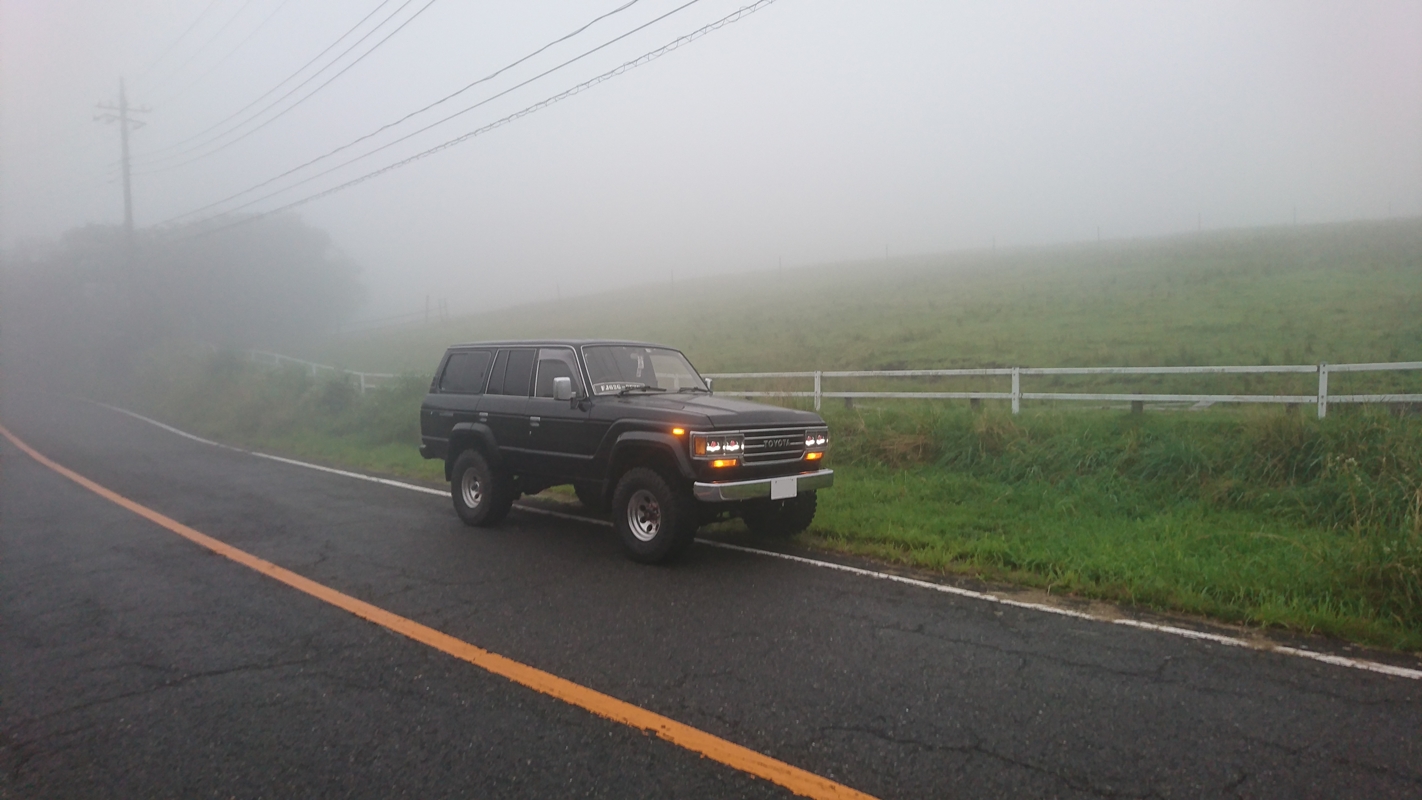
[{"x": 632, "y": 427}]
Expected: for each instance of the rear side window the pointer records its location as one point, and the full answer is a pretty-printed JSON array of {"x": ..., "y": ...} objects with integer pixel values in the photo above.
[
  {"x": 513, "y": 372},
  {"x": 465, "y": 372}
]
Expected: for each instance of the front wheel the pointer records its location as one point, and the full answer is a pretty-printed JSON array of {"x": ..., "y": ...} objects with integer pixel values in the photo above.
[
  {"x": 481, "y": 495},
  {"x": 780, "y": 517},
  {"x": 655, "y": 518}
]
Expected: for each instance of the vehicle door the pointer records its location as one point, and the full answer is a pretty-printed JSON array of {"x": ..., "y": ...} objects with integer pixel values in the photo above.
[
  {"x": 454, "y": 394},
  {"x": 504, "y": 406},
  {"x": 559, "y": 430}
]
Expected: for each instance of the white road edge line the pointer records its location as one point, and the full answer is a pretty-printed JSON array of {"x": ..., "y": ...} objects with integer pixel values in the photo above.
[{"x": 1340, "y": 661}]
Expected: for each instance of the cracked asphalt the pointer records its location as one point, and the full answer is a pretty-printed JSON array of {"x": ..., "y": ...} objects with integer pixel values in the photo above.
[{"x": 134, "y": 663}]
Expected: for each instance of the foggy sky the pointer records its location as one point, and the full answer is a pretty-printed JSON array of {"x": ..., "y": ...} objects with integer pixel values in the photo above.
[{"x": 812, "y": 130}]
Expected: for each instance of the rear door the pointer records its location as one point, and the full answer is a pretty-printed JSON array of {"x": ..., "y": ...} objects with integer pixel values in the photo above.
[
  {"x": 454, "y": 394},
  {"x": 504, "y": 406}
]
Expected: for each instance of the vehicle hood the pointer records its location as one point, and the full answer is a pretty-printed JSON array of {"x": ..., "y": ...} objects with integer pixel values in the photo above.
[{"x": 727, "y": 412}]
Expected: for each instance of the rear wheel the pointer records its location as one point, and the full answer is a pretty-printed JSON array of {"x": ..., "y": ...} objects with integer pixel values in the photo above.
[
  {"x": 780, "y": 517},
  {"x": 482, "y": 496},
  {"x": 655, "y": 517}
]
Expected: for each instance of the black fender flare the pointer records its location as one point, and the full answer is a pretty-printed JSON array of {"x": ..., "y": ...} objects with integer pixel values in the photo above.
[
  {"x": 471, "y": 434},
  {"x": 674, "y": 446}
]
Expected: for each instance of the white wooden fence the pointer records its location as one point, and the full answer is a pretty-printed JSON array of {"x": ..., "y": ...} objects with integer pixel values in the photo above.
[
  {"x": 367, "y": 380},
  {"x": 1016, "y": 395},
  {"x": 370, "y": 380}
]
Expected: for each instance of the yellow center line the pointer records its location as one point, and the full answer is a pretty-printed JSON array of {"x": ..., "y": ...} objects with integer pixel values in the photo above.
[{"x": 799, "y": 781}]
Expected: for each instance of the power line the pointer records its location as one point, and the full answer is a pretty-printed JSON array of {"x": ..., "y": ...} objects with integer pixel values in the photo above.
[
  {"x": 451, "y": 96},
  {"x": 280, "y": 84},
  {"x": 155, "y": 62},
  {"x": 296, "y": 88},
  {"x": 194, "y": 54},
  {"x": 230, "y": 53},
  {"x": 466, "y": 110},
  {"x": 645, "y": 58}
]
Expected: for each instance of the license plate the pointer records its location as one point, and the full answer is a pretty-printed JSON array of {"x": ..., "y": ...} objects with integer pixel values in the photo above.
[{"x": 781, "y": 488}]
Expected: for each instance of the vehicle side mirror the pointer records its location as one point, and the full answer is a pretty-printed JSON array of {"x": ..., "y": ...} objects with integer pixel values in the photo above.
[
  {"x": 562, "y": 388},
  {"x": 708, "y": 384}
]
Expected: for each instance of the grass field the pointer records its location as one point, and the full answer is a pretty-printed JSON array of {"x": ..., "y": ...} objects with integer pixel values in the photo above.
[
  {"x": 1336, "y": 293},
  {"x": 1250, "y": 514}
]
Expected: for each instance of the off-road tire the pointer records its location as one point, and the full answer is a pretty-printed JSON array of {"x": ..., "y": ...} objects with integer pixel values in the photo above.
[
  {"x": 591, "y": 497},
  {"x": 482, "y": 495},
  {"x": 654, "y": 516},
  {"x": 781, "y": 518}
]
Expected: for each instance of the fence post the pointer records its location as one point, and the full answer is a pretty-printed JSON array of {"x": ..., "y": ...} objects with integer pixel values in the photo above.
[
  {"x": 817, "y": 390},
  {"x": 1016, "y": 389},
  {"x": 1323, "y": 390},
  {"x": 362, "y": 382}
]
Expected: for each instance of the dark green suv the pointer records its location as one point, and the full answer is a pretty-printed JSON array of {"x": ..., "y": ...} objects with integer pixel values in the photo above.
[{"x": 632, "y": 427}]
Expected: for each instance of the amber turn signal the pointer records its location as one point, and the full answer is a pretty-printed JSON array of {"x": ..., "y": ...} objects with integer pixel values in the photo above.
[
  {"x": 724, "y": 462},
  {"x": 814, "y": 456}
]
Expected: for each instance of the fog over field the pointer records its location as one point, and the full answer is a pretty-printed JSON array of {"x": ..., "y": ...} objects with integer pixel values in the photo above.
[{"x": 805, "y": 131}]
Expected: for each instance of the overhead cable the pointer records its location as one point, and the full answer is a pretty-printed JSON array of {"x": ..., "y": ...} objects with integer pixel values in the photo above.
[
  {"x": 296, "y": 88},
  {"x": 279, "y": 84},
  {"x": 645, "y": 58},
  {"x": 280, "y": 114},
  {"x": 466, "y": 110},
  {"x": 221, "y": 29},
  {"x": 155, "y": 62},
  {"x": 230, "y": 53}
]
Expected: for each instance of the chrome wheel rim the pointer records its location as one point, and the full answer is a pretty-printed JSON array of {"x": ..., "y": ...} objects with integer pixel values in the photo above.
[
  {"x": 644, "y": 515},
  {"x": 471, "y": 491}
]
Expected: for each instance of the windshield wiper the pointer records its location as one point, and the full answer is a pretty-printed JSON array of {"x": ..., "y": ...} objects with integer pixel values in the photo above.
[
  {"x": 693, "y": 389},
  {"x": 641, "y": 387}
]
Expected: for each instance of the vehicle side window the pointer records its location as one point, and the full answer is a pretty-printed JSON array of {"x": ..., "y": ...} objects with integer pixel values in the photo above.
[
  {"x": 556, "y": 363},
  {"x": 496, "y": 375},
  {"x": 466, "y": 371},
  {"x": 518, "y": 372}
]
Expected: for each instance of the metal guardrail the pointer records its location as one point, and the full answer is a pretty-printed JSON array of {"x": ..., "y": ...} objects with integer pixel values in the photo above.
[
  {"x": 367, "y": 380},
  {"x": 1016, "y": 395}
]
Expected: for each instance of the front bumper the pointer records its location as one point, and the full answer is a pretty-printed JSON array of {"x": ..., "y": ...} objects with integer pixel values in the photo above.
[{"x": 727, "y": 491}]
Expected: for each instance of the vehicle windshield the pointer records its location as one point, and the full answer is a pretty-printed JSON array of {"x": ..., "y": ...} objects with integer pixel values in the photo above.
[{"x": 619, "y": 368}]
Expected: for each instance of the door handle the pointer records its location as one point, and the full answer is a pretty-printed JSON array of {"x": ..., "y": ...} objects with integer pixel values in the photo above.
[{"x": 533, "y": 421}]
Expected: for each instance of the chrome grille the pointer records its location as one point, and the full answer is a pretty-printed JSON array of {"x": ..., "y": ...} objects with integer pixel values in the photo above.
[{"x": 775, "y": 444}]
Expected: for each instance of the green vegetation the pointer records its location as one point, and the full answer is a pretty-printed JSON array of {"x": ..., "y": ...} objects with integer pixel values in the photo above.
[
  {"x": 1254, "y": 514},
  {"x": 1260, "y": 517}
]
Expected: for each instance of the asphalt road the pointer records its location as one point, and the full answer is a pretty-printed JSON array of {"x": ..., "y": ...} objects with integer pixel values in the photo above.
[{"x": 134, "y": 663}]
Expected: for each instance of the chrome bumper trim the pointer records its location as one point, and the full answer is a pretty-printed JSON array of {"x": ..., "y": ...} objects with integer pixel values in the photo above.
[{"x": 749, "y": 490}]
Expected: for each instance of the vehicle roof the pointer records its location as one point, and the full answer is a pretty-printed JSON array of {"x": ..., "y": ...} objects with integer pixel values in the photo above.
[{"x": 559, "y": 342}]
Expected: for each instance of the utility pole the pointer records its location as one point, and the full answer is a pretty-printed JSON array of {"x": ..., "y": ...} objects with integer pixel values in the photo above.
[{"x": 125, "y": 124}]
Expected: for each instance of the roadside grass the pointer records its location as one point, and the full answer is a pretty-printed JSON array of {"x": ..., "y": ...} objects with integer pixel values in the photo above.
[
  {"x": 1258, "y": 517},
  {"x": 1253, "y": 516}
]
